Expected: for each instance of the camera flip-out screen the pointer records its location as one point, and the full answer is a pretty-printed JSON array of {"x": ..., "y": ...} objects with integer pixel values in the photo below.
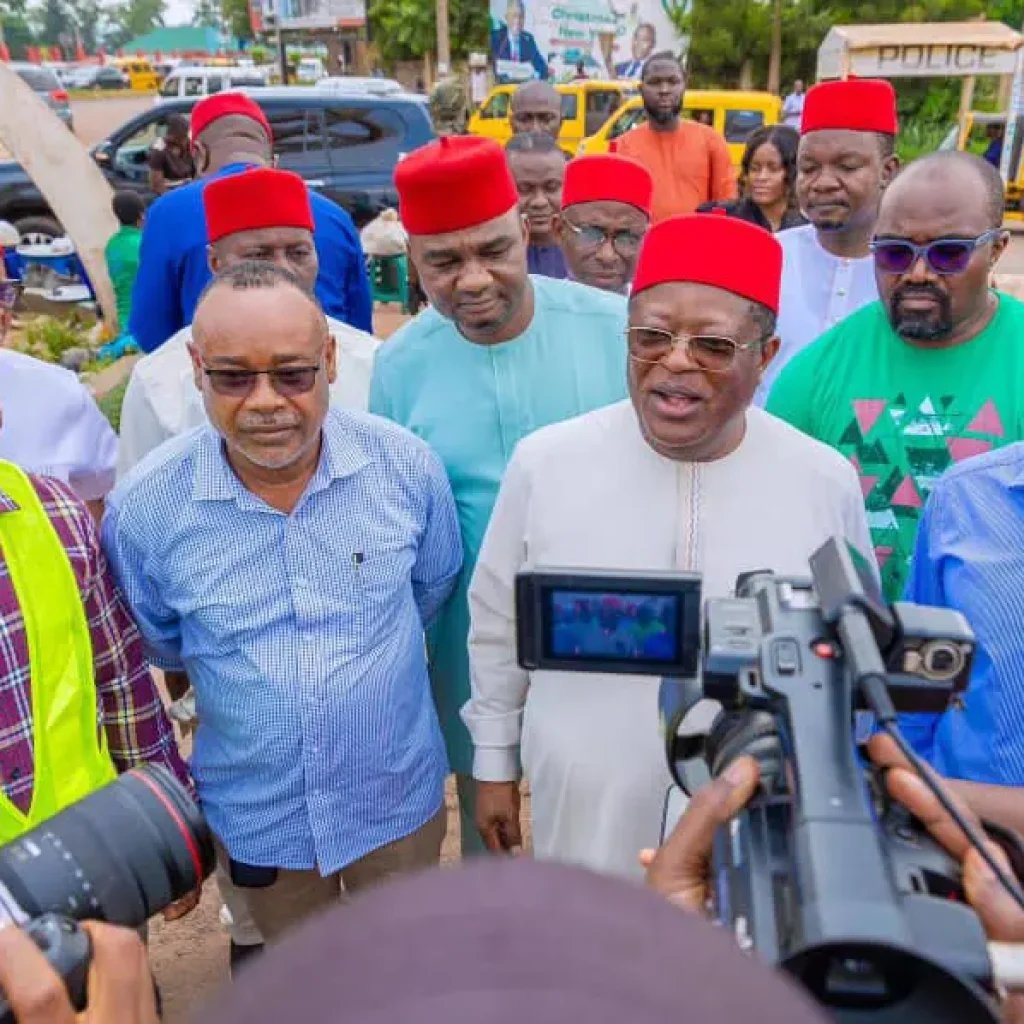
[{"x": 609, "y": 622}]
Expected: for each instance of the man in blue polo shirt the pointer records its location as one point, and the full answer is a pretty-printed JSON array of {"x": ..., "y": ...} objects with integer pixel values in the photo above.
[{"x": 229, "y": 134}]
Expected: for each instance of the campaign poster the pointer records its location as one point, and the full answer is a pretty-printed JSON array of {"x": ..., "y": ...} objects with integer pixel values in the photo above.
[{"x": 548, "y": 39}]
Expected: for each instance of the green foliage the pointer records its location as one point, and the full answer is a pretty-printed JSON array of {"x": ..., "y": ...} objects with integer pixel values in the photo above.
[
  {"x": 53, "y": 21},
  {"x": 134, "y": 18},
  {"x": 726, "y": 34},
  {"x": 405, "y": 30},
  {"x": 49, "y": 337},
  {"x": 207, "y": 14},
  {"x": 110, "y": 404},
  {"x": 235, "y": 15}
]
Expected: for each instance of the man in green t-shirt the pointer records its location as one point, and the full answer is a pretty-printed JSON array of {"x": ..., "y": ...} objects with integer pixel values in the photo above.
[
  {"x": 931, "y": 374},
  {"x": 122, "y": 257}
]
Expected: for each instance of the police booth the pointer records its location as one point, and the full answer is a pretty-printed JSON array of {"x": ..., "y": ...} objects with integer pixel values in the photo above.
[{"x": 964, "y": 50}]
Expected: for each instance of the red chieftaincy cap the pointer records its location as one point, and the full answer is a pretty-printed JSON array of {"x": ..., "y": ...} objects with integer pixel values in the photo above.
[
  {"x": 260, "y": 198},
  {"x": 457, "y": 182},
  {"x": 224, "y": 104},
  {"x": 617, "y": 179},
  {"x": 858, "y": 105},
  {"x": 708, "y": 248}
]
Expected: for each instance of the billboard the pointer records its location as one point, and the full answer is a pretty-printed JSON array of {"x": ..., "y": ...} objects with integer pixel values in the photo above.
[
  {"x": 307, "y": 14},
  {"x": 548, "y": 38}
]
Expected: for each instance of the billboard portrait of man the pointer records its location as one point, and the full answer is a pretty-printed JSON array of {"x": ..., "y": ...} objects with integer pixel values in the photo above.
[
  {"x": 511, "y": 43},
  {"x": 645, "y": 42}
]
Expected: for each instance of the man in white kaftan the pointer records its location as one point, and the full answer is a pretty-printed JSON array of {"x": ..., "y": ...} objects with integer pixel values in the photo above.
[{"x": 683, "y": 476}]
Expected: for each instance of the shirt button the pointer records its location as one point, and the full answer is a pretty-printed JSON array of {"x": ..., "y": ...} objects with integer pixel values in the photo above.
[{"x": 840, "y": 291}]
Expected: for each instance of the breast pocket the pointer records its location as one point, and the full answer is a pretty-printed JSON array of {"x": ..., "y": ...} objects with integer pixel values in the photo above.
[{"x": 383, "y": 587}]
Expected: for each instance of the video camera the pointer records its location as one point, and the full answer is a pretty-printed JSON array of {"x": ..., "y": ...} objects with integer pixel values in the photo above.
[
  {"x": 819, "y": 874},
  {"x": 121, "y": 855}
]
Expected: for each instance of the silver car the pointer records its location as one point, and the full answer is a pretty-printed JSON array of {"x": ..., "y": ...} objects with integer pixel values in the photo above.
[{"x": 46, "y": 85}]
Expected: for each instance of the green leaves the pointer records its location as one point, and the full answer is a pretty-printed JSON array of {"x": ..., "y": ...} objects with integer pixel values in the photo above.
[{"x": 405, "y": 29}]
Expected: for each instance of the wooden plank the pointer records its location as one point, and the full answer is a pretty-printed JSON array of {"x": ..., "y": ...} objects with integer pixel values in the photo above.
[{"x": 64, "y": 172}]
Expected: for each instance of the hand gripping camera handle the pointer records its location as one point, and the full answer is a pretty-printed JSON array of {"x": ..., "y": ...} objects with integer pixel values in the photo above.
[{"x": 68, "y": 951}]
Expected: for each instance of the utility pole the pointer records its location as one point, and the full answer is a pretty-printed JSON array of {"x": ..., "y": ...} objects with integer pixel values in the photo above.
[
  {"x": 775, "y": 59},
  {"x": 444, "y": 46}
]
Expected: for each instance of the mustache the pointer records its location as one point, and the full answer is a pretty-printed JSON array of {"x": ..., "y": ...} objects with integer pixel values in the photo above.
[
  {"x": 677, "y": 389},
  {"x": 912, "y": 291},
  {"x": 267, "y": 423}
]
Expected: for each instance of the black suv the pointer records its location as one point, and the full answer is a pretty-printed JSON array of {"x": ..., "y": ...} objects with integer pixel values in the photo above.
[{"x": 345, "y": 146}]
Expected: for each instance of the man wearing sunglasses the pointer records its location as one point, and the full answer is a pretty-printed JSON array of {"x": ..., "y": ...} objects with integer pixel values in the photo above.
[
  {"x": 287, "y": 557},
  {"x": 686, "y": 476},
  {"x": 499, "y": 354},
  {"x": 260, "y": 214},
  {"x": 606, "y": 208},
  {"x": 845, "y": 162},
  {"x": 932, "y": 373}
]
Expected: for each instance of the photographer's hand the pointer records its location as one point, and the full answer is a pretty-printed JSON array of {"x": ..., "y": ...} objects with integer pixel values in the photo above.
[
  {"x": 120, "y": 985},
  {"x": 497, "y": 815},
  {"x": 1001, "y": 918},
  {"x": 679, "y": 869}
]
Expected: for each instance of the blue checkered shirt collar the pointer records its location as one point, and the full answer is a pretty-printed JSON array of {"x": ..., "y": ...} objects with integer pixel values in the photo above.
[{"x": 214, "y": 479}]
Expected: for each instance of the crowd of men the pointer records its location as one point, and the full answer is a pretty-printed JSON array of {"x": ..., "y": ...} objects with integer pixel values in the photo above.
[{"x": 316, "y": 536}]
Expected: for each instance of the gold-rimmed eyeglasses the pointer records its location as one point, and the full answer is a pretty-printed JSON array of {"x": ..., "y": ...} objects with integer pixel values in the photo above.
[{"x": 710, "y": 352}]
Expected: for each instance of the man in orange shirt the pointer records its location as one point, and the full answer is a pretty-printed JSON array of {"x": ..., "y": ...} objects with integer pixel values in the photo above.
[{"x": 689, "y": 162}]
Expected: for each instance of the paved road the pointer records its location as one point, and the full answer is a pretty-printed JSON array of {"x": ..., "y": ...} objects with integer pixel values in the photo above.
[{"x": 95, "y": 119}]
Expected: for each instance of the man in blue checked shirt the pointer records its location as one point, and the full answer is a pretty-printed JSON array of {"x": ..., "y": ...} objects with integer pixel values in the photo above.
[
  {"x": 970, "y": 556},
  {"x": 288, "y": 559},
  {"x": 230, "y": 133}
]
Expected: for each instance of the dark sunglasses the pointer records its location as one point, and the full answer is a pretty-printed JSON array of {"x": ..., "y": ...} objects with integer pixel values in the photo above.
[
  {"x": 712, "y": 353},
  {"x": 288, "y": 381},
  {"x": 944, "y": 256},
  {"x": 9, "y": 292},
  {"x": 625, "y": 243}
]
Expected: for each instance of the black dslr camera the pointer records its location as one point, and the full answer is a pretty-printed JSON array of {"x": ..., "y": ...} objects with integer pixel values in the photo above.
[
  {"x": 819, "y": 875},
  {"x": 120, "y": 855}
]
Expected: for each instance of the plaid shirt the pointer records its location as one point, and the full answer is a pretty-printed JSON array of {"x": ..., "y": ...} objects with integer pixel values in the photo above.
[{"x": 129, "y": 706}]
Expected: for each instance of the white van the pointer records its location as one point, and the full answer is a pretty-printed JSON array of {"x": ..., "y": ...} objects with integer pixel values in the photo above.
[
  {"x": 205, "y": 81},
  {"x": 309, "y": 71}
]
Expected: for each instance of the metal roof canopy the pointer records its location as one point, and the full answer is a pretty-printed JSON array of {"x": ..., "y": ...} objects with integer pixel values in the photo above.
[{"x": 931, "y": 50}]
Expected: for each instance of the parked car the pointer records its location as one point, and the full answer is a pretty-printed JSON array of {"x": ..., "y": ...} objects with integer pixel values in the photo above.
[
  {"x": 141, "y": 74},
  {"x": 197, "y": 82},
  {"x": 100, "y": 77},
  {"x": 309, "y": 71},
  {"x": 46, "y": 85},
  {"x": 369, "y": 86},
  {"x": 344, "y": 145}
]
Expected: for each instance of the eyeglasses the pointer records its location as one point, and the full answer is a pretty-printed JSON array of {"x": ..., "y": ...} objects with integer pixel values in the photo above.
[
  {"x": 625, "y": 243},
  {"x": 9, "y": 292},
  {"x": 288, "y": 381},
  {"x": 710, "y": 352},
  {"x": 944, "y": 256}
]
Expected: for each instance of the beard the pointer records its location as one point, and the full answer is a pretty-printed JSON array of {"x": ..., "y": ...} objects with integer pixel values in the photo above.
[
  {"x": 659, "y": 116},
  {"x": 918, "y": 325}
]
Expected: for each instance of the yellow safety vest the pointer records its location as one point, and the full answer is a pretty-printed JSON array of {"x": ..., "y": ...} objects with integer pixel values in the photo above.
[{"x": 70, "y": 750}]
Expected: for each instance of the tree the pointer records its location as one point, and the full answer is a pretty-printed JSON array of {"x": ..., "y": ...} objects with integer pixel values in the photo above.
[
  {"x": 405, "y": 30},
  {"x": 136, "y": 18},
  {"x": 236, "y": 18},
  {"x": 54, "y": 22},
  {"x": 88, "y": 17},
  {"x": 207, "y": 14}
]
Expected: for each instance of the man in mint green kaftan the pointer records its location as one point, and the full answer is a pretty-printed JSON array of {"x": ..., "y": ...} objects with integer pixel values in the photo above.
[{"x": 497, "y": 356}]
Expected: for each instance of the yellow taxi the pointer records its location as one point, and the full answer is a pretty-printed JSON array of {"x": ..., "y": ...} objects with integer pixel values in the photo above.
[
  {"x": 733, "y": 114},
  {"x": 586, "y": 106},
  {"x": 142, "y": 76}
]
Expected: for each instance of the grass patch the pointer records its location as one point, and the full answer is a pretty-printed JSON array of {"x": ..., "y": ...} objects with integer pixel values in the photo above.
[{"x": 110, "y": 404}]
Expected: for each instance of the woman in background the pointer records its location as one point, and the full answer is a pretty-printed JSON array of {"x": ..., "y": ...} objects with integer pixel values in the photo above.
[{"x": 767, "y": 181}]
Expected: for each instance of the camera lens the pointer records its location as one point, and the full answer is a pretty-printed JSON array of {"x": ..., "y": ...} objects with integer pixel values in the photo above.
[
  {"x": 941, "y": 660},
  {"x": 120, "y": 855}
]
